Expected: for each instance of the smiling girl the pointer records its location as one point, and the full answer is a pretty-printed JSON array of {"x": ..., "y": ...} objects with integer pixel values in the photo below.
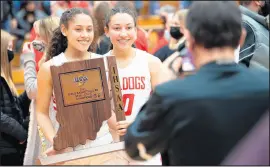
[
  {"x": 73, "y": 40},
  {"x": 139, "y": 71}
]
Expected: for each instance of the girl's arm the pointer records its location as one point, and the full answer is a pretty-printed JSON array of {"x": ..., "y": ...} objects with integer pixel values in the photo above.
[
  {"x": 44, "y": 94},
  {"x": 30, "y": 75}
]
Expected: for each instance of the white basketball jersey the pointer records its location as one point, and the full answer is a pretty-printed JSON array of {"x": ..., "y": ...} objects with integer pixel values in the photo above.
[
  {"x": 135, "y": 80},
  {"x": 135, "y": 83}
]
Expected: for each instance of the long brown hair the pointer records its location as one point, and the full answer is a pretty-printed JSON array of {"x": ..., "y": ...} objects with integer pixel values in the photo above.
[
  {"x": 46, "y": 27},
  {"x": 100, "y": 12},
  {"x": 58, "y": 42},
  {"x": 5, "y": 64}
]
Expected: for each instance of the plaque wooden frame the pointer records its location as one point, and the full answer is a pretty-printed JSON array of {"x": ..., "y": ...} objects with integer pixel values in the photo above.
[{"x": 90, "y": 110}]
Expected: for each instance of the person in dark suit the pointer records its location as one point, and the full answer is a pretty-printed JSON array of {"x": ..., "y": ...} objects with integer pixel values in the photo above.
[{"x": 199, "y": 119}]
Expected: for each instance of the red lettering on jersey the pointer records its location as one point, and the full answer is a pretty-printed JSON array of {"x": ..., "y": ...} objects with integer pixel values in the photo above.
[
  {"x": 143, "y": 84},
  {"x": 125, "y": 83},
  {"x": 137, "y": 83},
  {"x": 131, "y": 83}
]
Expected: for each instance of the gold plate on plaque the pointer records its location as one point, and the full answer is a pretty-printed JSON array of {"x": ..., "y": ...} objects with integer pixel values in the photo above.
[{"x": 82, "y": 87}]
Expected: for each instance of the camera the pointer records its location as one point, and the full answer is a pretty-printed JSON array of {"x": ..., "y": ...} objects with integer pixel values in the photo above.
[
  {"x": 187, "y": 67},
  {"x": 38, "y": 45}
]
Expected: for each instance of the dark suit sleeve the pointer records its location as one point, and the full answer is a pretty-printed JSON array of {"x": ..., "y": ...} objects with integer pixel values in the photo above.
[{"x": 152, "y": 128}]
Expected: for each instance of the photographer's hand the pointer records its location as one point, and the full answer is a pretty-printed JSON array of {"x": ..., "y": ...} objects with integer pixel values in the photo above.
[
  {"x": 28, "y": 48},
  {"x": 173, "y": 63}
]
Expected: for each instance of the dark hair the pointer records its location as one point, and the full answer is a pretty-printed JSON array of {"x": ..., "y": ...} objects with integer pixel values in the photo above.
[
  {"x": 126, "y": 4},
  {"x": 58, "y": 42},
  {"x": 119, "y": 9},
  {"x": 100, "y": 13},
  {"x": 215, "y": 24}
]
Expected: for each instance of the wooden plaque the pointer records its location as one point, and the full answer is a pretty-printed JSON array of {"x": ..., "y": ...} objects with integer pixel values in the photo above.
[
  {"x": 82, "y": 100},
  {"x": 116, "y": 91},
  {"x": 83, "y": 103}
]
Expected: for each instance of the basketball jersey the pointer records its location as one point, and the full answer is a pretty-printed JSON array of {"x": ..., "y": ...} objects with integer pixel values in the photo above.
[
  {"x": 135, "y": 80},
  {"x": 103, "y": 136}
]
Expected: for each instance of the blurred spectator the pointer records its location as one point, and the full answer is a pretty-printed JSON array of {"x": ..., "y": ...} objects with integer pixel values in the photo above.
[
  {"x": 153, "y": 7},
  {"x": 91, "y": 3},
  {"x": 17, "y": 5},
  {"x": 80, "y": 4},
  {"x": 185, "y": 4},
  {"x": 111, "y": 3},
  {"x": 14, "y": 110},
  {"x": 28, "y": 15},
  {"x": 165, "y": 14},
  {"x": 255, "y": 51},
  {"x": 23, "y": 24},
  {"x": 138, "y": 6},
  {"x": 100, "y": 12},
  {"x": 46, "y": 7},
  {"x": 166, "y": 11},
  {"x": 176, "y": 35},
  {"x": 58, "y": 7},
  {"x": 7, "y": 14}
]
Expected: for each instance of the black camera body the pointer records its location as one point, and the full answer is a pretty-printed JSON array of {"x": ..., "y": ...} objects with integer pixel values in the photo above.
[{"x": 187, "y": 67}]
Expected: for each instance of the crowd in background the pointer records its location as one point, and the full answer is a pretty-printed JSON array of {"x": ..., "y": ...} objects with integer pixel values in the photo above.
[{"x": 17, "y": 17}]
